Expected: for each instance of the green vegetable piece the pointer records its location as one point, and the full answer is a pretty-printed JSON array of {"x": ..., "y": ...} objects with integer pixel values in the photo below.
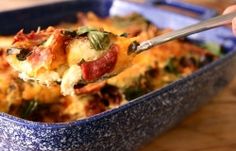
[
  {"x": 141, "y": 84},
  {"x": 28, "y": 108},
  {"x": 99, "y": 40},
  {"x": 171, "y": 66},
  {"x": 81, "y": 31},
  {"x": 85, "y": 30},
  {"x": 71, "y": 33},
  {"x": 133, "y": 92},
  {"x": 214, "y": 48}
]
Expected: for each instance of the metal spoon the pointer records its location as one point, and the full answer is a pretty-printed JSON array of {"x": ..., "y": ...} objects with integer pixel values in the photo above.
[{"x": 202, "y": 26}]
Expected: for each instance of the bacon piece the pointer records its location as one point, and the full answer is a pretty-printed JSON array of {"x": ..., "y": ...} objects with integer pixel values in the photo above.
[
  {"x": 20, "y": 36},
  {"x": 34, "y": 37},
  {"x": 93, "y": 70},
  {"x": 53, "y": 55},
  {"x": 90, "y": 88}
]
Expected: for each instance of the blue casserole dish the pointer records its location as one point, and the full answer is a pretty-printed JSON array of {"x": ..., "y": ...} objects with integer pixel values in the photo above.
[{"x": 130, "y": 125}]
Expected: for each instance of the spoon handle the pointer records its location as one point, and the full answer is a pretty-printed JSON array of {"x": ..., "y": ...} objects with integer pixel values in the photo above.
[{"x": 204, "y": 25}]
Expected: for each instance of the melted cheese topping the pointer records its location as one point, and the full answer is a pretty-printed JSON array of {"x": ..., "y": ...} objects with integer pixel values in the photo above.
[
  {"x": 70, "y": 78},
  {"x": 123, "y": 59},
  {"x": 45, "y": 78},
  {"x": 77, "y": 103}
]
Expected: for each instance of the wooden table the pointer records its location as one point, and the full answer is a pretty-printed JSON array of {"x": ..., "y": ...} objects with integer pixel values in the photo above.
[{"x": 211, "y": 128}]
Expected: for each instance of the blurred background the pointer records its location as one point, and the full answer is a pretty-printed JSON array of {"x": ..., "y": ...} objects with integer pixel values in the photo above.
[
  {"x": 12, "y": 4},
  {"x": 212, "y": 128}
]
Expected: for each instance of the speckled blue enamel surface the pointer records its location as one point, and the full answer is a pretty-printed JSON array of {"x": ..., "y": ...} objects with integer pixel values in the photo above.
[{"x": 131, "y": 125}]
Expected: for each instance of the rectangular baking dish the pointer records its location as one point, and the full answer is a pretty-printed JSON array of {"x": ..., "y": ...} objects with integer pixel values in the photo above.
[{"x": 132, "y": 124}]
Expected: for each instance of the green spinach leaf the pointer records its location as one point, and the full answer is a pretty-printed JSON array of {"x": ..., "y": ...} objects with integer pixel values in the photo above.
[
  {"x": 99, "y": 40},
  {"x": 28, "y": 108},
  {"x": 214, "y": 48}
]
